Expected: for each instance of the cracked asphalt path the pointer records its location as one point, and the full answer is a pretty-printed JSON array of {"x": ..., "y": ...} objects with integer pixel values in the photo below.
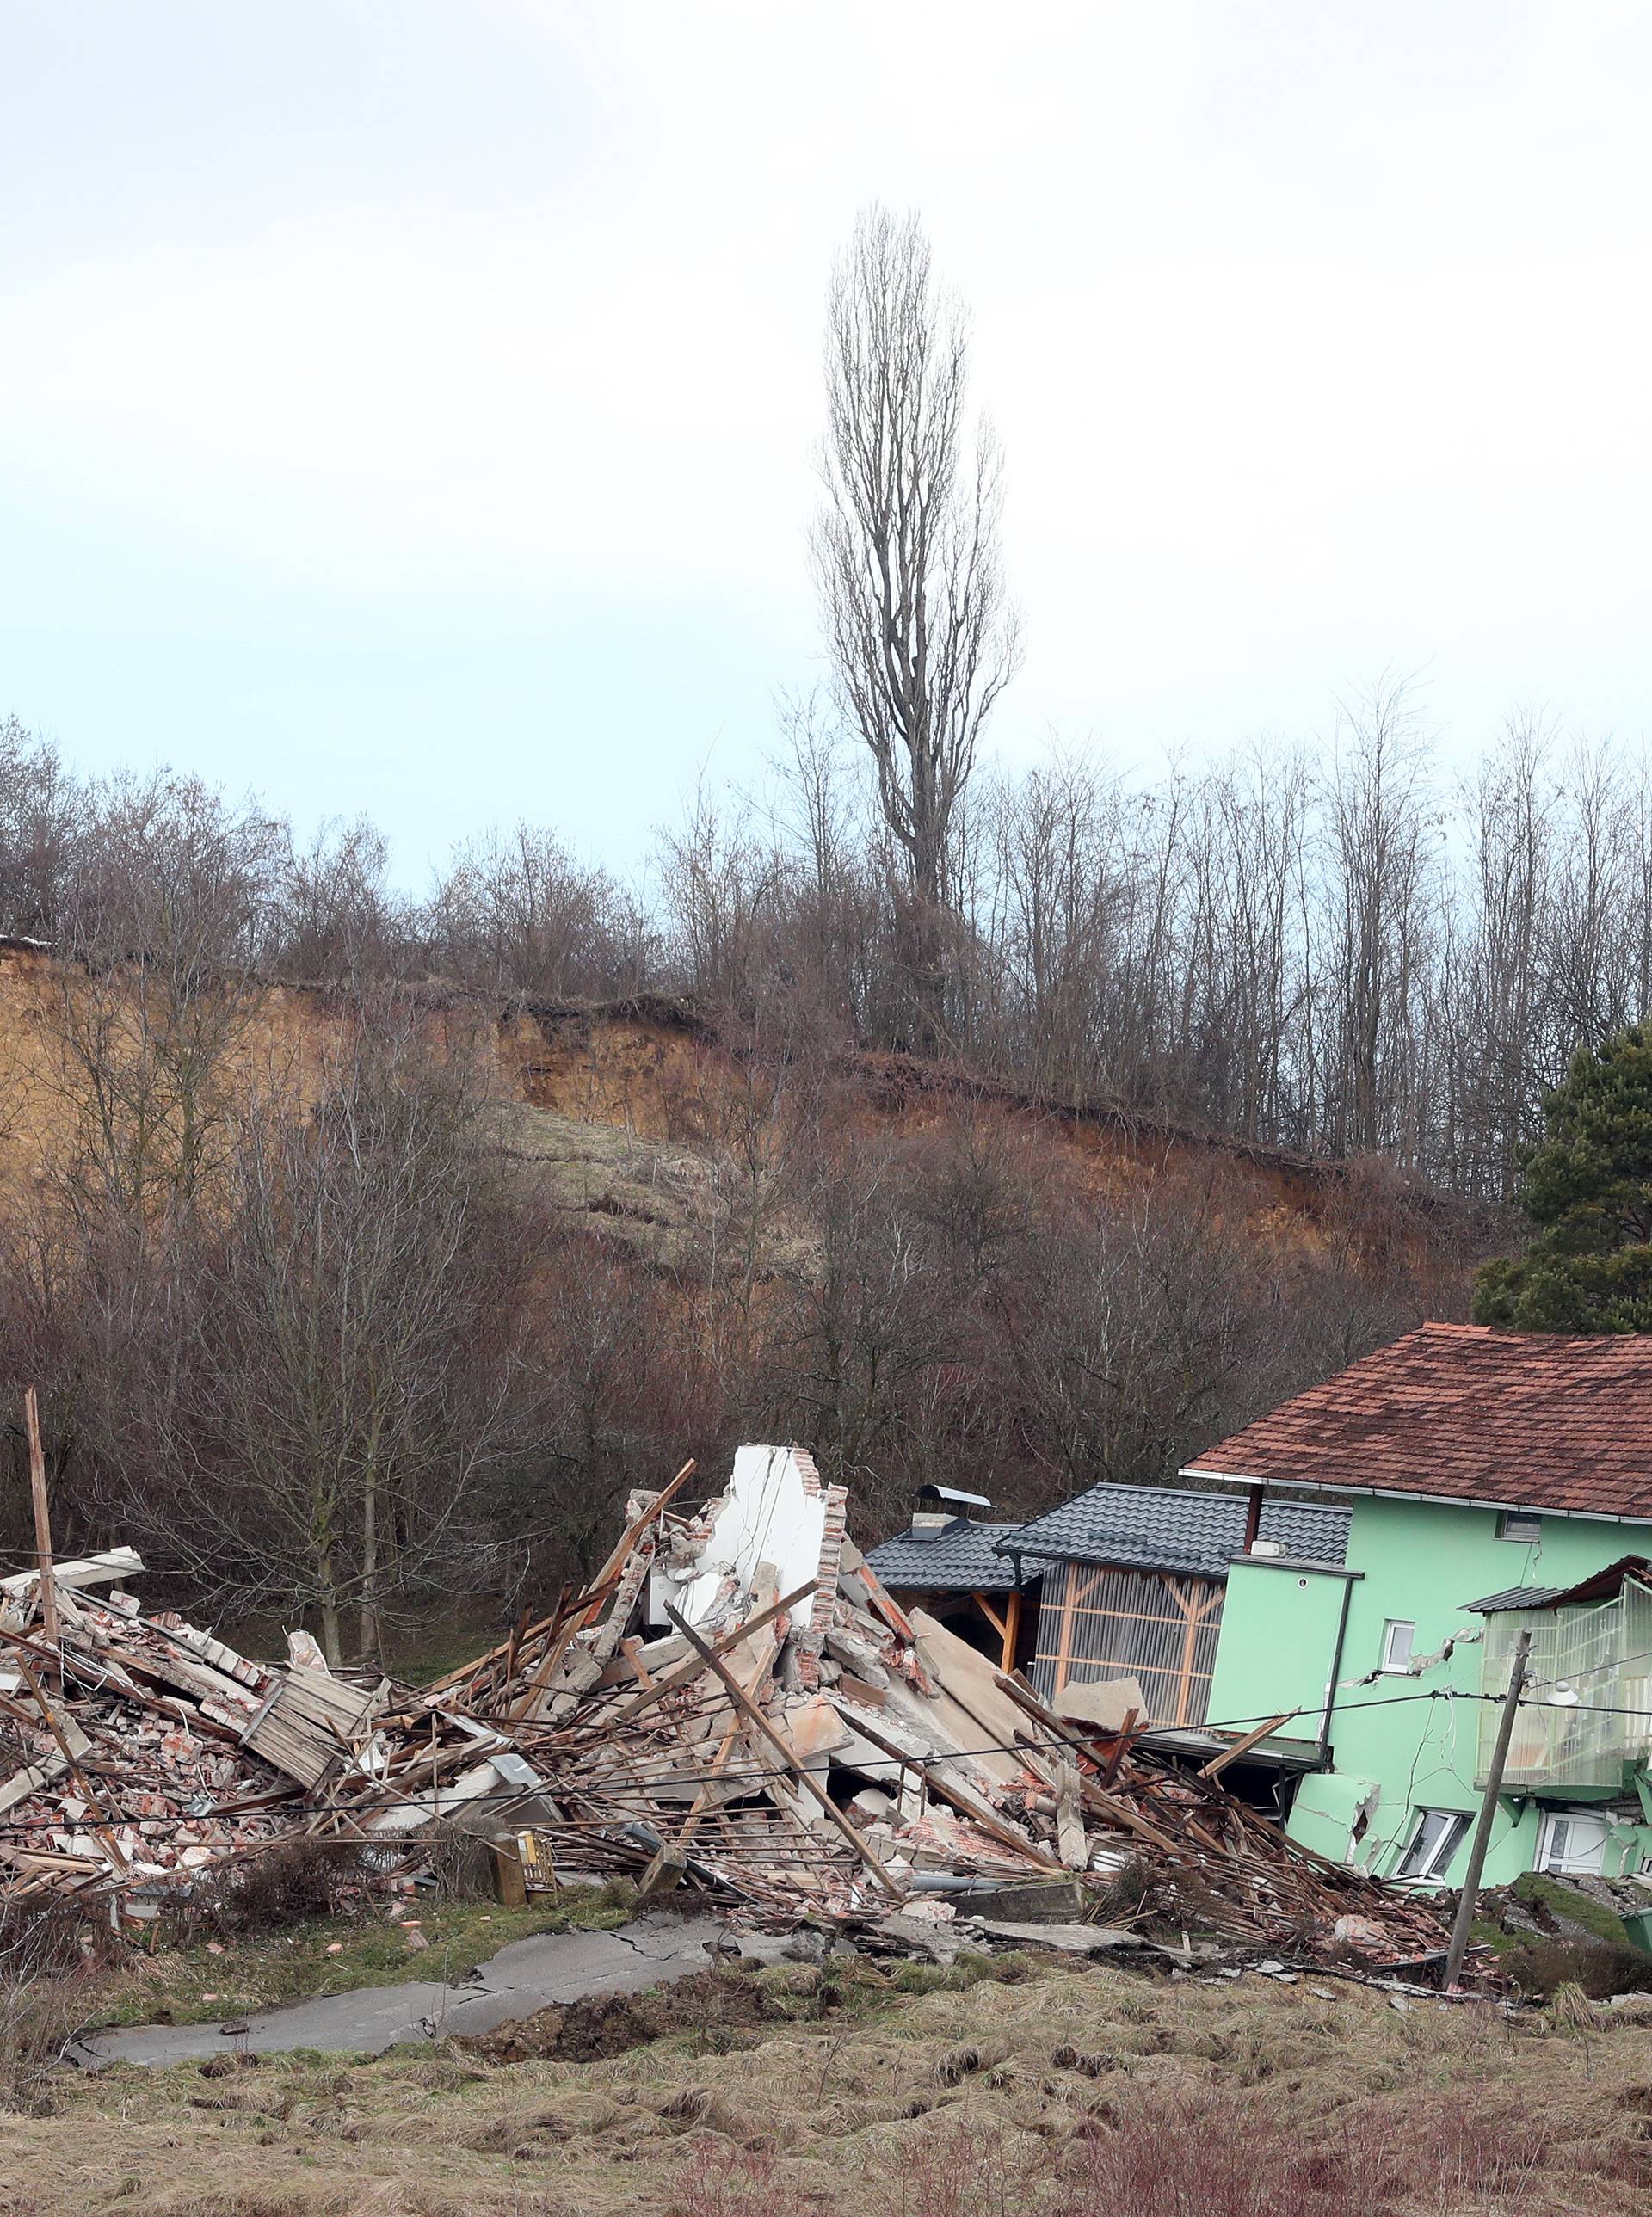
[{"x": 525, "y": 1976}]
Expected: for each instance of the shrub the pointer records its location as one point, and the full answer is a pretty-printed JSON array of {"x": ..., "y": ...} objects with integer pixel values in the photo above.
[
  {"x": 460, "y": 1863},
  {"x": 292, "y": 1883},
  {"x": 721, "y": 2180},
  {"x": 41, "y": 1981},
  {"x": 1209, "y": 2155},
  {"x": 1600, "y": 1968}
]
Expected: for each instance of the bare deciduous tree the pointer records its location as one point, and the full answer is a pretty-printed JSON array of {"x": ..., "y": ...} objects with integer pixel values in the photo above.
[
  {"x": 342, "y": 1410},
  {"x": 907, "y": 558},
  {"x": 164, "y": 917}
]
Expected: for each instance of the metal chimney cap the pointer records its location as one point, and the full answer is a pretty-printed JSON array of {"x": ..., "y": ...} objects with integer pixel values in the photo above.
[{"x": 951, "y": 1494}]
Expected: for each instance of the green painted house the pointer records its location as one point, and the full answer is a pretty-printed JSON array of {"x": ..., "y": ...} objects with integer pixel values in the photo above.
[{"x": 1498, "y": 1482}]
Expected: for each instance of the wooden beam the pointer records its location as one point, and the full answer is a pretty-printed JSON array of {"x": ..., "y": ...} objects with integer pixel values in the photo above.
[
  {"x": 708, "y": 1784},
  {"x": 989, "y": 1612},
  {"x": 607, "y": 1577},
  {"x": 1104, "y": 1804},
  {"x": 1011, "y": 1629},
  {"x": 968, "y": 1802},
  {"x": 592, "y": 1596},
  {"x": 634, "y": 1530},
  {"x": 1218, "y": 1763},
  {"x": 551, "y": 1661},
  {"x": 1110, "y": 1770},
  {"x": 695, "y": 1668},
  {"x": 760, "y": 1723}
]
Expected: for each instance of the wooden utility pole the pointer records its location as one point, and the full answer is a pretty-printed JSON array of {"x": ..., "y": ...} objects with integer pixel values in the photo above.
[
  {"x": 42, "y": 1518},
  {"x": 1470, "y": 1893}
]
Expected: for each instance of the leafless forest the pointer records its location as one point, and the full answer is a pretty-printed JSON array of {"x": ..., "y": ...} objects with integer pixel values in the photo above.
[
  {"x": 1336, "y": 951},
  {"x": 344, "y": 1361}
]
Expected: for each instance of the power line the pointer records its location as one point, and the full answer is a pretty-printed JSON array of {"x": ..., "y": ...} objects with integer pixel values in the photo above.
[{"x": 820, "y": 1766}]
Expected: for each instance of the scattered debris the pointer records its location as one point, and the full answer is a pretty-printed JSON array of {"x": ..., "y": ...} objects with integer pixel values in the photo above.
[
  {"x": 140, "y": 1753},
  {"x": 735, "y": 1707},
  {"x": 815, "y": 1753}
]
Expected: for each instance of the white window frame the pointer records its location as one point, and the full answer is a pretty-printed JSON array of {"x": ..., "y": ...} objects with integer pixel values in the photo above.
[
  {"x": 1432, "y": 1870},
  {"x": 1391, "y": 1625}
]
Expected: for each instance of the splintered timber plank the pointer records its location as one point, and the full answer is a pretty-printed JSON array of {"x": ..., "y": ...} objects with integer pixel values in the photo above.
[
  {"x": 609, "y": 1577},
  {"x": 545, "y": 1669},
  {"x": 1218, "y": 1763},
  {"x": 507, "y": 1649},
  {"x": 705, "y": 1655},
  {"x": 759, "y": 1723},
  {"x": 963, "y": 1798},
  {"x": 1111, "y": 1805}
]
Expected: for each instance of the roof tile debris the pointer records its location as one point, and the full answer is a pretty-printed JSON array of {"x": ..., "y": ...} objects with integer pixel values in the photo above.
[
  {"x": 1463, "y": 1412},
  {"x": 1154, "y": 1527}
]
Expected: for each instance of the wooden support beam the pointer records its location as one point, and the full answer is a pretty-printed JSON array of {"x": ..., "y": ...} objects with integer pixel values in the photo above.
[
  {"x": 1218, "y": 1763},
  {"x": 964, "y": 1799},
  {"x": 1011, "y": 1629},
  {"x": 1096, "y": 1797},
  {"x": 695, "y": 1667},
  {"x": 606, "y": 1579},
  {"x": 702, "y": 1799},
  {"x": 634, "y": 1530},
  {"x": 760, "y": 1723},
  {"x": 1111, "y": 1770},
  {"x": 990, "y": 1614}
]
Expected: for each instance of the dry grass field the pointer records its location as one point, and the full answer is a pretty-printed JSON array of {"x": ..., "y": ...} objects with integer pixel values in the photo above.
[{"x": 995, "y": 2089}]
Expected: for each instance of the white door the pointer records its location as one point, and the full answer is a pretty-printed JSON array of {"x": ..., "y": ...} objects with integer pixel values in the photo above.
[{"x": 1573, "y": 1840}]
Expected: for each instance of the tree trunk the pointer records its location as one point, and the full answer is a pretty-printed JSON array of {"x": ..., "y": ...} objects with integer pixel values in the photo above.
[{"x": 370, "y": 1633}]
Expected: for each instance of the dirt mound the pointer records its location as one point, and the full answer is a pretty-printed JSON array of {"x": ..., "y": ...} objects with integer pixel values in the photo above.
[{"x": 711, "y": 2004}]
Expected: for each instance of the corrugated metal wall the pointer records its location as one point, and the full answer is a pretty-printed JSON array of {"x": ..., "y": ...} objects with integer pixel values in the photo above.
[{"x": 1095, "y": 1623}]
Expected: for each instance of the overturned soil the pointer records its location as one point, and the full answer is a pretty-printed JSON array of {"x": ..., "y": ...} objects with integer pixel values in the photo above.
[{"x": 711, "y": 2004}]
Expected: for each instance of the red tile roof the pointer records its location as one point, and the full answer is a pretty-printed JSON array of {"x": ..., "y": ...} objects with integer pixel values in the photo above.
[{"x": 1460, "y": 1412}]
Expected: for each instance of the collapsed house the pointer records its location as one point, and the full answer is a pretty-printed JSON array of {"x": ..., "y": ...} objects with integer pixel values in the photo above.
[{"x": 735, "y": 1704}]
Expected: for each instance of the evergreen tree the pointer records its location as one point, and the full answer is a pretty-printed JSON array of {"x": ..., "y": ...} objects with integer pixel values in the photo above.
[{"x": 1588, "y": 1186}]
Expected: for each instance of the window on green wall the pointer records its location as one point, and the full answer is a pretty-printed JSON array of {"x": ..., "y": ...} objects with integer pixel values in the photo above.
[
  {"x": 1399, "y": 1638},
  {"x": 1438, "y": 1835},
  {"x": 1521, "y": 1524}
]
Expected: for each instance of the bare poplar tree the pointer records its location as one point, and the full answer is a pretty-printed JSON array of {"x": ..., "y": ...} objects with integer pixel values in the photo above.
[{"x": 906, "y": 556}]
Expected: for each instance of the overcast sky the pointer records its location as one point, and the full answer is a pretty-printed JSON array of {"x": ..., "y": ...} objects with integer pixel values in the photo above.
[{"x": 410, "y": 407}]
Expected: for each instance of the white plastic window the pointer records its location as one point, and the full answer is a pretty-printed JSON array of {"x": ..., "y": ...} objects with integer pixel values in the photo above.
[
  {"x": 1438, "y": 1834},
  {"x": 1399, "y": 1638}
]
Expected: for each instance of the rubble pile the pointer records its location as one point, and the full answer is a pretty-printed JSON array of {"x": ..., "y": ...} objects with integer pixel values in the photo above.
[
  {"x": 734, "y": 1705},
  {"x": 738, "y": 1704},
  {"x": 138, "y": 1752}
]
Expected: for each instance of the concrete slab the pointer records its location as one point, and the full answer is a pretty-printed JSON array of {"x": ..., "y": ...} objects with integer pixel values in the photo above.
[
  {"x": 1070, "y": 1939},
  {"x": 525, "y": 1976}
]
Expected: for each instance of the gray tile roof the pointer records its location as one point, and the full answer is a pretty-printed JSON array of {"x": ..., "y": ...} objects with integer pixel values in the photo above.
[
  {"x": 1514, "y": 1598},
  {"x": 959, "y": 1556},
  {"x": 1153, "y": 1528}
]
